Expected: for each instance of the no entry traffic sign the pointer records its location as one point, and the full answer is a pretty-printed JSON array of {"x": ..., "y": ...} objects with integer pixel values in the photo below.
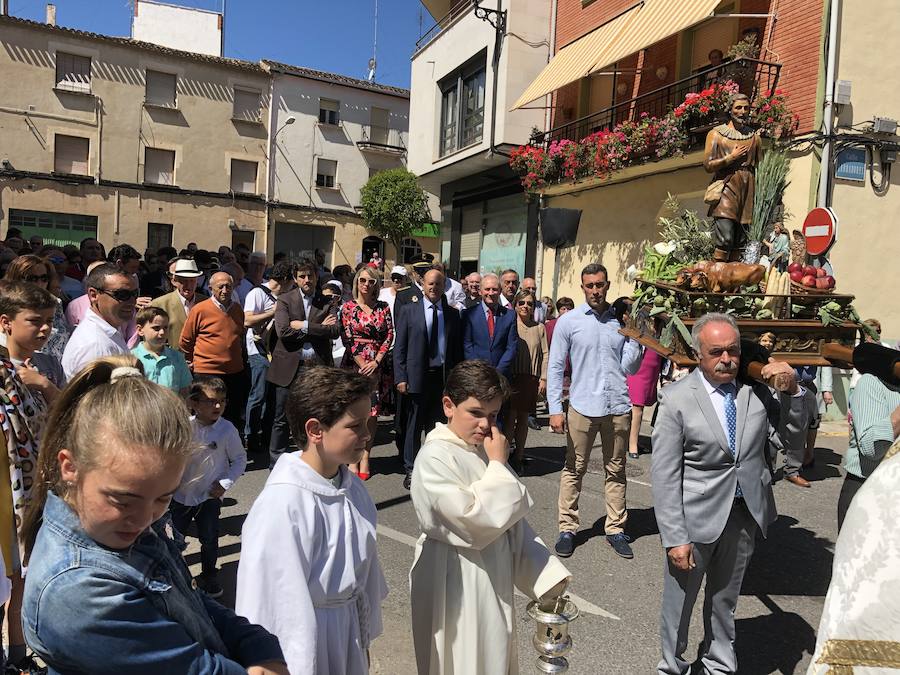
[{"x": 819, "y": 229}]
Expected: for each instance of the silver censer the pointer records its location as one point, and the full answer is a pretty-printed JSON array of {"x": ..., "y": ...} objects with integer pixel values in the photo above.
[{"x": 551, "y": 636}]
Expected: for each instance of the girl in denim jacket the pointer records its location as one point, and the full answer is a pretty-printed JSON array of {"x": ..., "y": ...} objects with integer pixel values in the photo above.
[{"x": 107, "y": 591}]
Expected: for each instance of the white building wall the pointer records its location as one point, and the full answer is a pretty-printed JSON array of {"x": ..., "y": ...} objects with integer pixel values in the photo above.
[
  {"x": 298, "y": 146},
  {"x": 520, "y": 63},
  {"x": 185, "y": 28}
]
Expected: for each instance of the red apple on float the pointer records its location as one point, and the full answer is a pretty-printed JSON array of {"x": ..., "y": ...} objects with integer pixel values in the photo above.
[
  {"x": 809, "y": 270},
  {"x": 795, "y": 267},
  {"x": 822, "y": 283},
  {"x": 821, "y": 273},
  {"x": 830, "y": 280},
  {"x": 808, "y": 280},
  {"x": 796, "y": 275}
]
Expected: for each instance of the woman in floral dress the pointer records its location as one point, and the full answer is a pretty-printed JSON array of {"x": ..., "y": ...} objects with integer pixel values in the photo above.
[{"x": 368, "y": 332}]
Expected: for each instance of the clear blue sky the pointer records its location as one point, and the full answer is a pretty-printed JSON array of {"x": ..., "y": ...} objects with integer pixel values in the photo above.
[{"x": 331, "y": 35}]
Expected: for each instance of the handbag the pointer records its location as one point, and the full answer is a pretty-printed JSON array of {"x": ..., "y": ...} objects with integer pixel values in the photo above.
[{"x": 714, "y": 191}]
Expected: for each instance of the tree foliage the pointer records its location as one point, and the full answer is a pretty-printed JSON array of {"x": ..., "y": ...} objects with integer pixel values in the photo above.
[{"x": 393, "y": 205}]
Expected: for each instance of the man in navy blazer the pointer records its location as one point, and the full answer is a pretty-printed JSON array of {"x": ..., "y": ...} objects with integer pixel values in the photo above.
[
  {"x": 427, "y": 346},
  {"x": 500, "y": 349}
]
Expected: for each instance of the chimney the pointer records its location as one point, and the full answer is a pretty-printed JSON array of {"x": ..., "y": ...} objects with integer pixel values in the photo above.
[
  {"x": 4, "y": 7},
  {"x": 51, "y": 15}
]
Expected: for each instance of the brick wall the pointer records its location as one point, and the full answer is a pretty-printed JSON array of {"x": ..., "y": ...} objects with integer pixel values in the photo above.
[{"x": 573, "y": 21}]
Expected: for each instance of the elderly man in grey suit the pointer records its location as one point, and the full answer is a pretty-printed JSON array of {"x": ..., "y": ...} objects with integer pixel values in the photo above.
[{"x": 712, "y": 487}]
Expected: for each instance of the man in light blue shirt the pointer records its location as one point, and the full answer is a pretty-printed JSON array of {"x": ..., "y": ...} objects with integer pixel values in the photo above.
[{"x": 601, "y": 357}]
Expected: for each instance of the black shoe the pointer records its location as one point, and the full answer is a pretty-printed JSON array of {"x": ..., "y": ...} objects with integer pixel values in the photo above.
[
  {"x": 619, "y": 542},
  {"x": 565, "y": 544},
  {"x": 533, "y": 423},
  {"x": 407, "y": 480},
  {"x": 210, "y": 586}
]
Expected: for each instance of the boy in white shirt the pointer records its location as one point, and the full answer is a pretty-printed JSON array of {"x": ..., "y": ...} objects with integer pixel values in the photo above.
[
  {"x": 309, "y": 570},
  {"x": 476, "y": 546},
  {"x": 210, "y": 472}
]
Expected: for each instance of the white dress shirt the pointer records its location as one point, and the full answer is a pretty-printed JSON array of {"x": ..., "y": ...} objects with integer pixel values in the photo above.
[
  {"x": 456, "y": 296},
  {"x": 221, "y": 459},
  {"x": 307, "y": 352},
  {"x": 717, "y": 398},
  {"x": 92, "y": 338},
  {"x": 442, "y": 339}
]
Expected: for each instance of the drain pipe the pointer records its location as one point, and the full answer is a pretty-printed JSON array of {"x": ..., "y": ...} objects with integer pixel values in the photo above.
[{"x": 824, "y": 197}]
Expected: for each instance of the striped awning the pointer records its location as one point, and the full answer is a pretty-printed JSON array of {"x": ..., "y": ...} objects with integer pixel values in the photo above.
[
  {"x": 645, "y": 24},
  {"x": 656, "y": 20},
  {"x": 577, "y": 59}
]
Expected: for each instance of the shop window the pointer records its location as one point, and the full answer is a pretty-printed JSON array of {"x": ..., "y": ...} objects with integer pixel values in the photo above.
[
  {"x": 73, "y": 72},
  {"x": 57, "y": 229}
]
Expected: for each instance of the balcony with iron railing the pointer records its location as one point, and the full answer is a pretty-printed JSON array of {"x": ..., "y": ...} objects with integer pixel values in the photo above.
[
  {"x": 752, "y": 76},
  {"x": 457, "y": 9},
  {"x": 382, "y": 139}
]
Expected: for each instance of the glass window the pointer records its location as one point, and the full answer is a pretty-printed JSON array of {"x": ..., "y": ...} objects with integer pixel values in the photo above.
[
  {"x": 159, "y": 166},
  {"x": 449, "y": 109},
  {"x": 161, "y": 89},
  {"x": 71, "y": 155},
  {"x": 409, "y": 249},
  {"x": 473, "y": 108},
  {"x": 247, "y": 105},
  {"x": 158, "y": 235},
  {"x": 329, "y": 111},
  {"x": 73, "y": 72},
  {"x": 243, "y": 176},
  {"x": 326, "y": 173}
]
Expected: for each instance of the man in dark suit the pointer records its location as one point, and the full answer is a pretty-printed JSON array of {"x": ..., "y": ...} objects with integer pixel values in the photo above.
[
  {"x": 305, "y": 327},
  {"x": 427, "y": 346},
  {"x": 489, "y": 330}
]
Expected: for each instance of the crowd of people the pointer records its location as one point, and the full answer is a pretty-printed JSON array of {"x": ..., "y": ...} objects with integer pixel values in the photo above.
[{"x": 135, "y": 387}]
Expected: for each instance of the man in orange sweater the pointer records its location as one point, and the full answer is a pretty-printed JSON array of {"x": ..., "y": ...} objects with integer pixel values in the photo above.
[{"x": 213, "y": 343}]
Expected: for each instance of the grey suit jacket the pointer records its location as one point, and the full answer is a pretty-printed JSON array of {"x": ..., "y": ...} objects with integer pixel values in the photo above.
[{"x": 694, "y": 474}]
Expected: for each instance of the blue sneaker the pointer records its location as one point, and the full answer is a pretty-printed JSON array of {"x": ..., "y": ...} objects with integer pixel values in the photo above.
[
  {"x": 619, "y": 542},
  {"x": 565, "y": 545}
]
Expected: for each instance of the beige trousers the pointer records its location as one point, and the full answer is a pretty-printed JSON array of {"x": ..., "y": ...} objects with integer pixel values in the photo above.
[{"x": 582, "y": 431}]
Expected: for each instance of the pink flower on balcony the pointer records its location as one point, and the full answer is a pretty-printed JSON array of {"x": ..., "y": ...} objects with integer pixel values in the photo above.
[{"x": 704, "y": 109}]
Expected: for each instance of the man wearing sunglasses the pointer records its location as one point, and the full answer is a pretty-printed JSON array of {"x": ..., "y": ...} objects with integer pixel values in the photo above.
[{"x": 113, "y": 294}]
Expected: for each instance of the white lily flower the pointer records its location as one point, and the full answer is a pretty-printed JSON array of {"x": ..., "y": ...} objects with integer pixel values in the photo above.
[{"x": 664, "y": 247}]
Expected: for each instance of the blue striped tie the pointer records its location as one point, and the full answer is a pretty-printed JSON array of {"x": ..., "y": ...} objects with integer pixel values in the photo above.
[{"x": 731, "y": 423}]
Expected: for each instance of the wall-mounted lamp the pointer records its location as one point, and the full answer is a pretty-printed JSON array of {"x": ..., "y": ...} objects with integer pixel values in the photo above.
[{"x": 662, "y": 73}]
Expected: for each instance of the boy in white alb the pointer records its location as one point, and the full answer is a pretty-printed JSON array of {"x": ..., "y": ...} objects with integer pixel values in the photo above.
[
  {"x": 309, "y": 570},
  {"x": 210, "y": 472},
  {"x": 476, "y": 546}
]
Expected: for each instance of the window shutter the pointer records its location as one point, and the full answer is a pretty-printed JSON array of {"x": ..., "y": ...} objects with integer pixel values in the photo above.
[
  {"x": 159, "y": 166},
  {"x": 73, "y": 72},
  {"x": 243, "y": 176},
  {"x": 326, "y": 171},
  {"x": 71, "y": 155},
  {"x": 161, "y": 89},
  {"x": 247, "y": 105},
  {"x": 470, "y": 234}
]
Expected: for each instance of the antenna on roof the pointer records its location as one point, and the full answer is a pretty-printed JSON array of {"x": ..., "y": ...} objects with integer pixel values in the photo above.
[{"x": 372, "y": 62}]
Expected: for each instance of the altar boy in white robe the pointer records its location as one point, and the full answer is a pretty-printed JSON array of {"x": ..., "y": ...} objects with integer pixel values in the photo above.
[
  {"x": 309, "y": 569},
  {"x": 476, "y": 546}
]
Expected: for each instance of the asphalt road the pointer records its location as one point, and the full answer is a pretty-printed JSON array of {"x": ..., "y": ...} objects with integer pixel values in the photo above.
[{"x": 778, "y": 612}]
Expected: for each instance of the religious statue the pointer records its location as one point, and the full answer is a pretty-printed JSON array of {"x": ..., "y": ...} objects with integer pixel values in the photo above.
[{"x": 732, "y": 152}]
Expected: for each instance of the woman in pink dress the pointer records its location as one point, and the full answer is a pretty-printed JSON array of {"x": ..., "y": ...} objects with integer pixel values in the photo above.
[
  {"x": 642, "y": 390},
  {"x": 368, "y": 332}
]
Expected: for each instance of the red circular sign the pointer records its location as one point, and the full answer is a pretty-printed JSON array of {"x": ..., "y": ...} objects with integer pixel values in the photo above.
[{"x": 819, "y": 229}]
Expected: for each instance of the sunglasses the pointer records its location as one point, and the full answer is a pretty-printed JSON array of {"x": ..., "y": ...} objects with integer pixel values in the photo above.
[
  {"x": 525, "y": 303},
  {"x": 397, "y": 278},
  {"x": 37, "y": 278},
  {"x": 122, "y": 295},
  {"x": 57, "y": 260}
]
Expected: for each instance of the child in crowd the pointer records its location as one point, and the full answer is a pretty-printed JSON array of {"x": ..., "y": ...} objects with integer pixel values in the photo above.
[
  {"x": 210, "y": 472},
  {"x": 476, "y": 545},
  {"x": 26, "y": 318},
  {"x": 107, "y": 591},
  {"x": 162, "y": 364},
  {"x": 309, "y": 569}
]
